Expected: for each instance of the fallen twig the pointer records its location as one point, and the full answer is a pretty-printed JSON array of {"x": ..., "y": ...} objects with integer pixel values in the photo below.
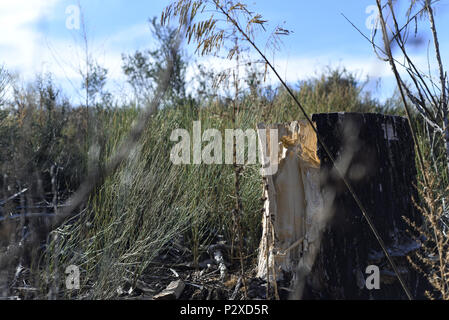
[{"x": 3, "y": 202}]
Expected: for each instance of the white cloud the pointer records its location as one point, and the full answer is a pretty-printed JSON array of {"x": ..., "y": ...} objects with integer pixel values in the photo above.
[{"x": 20, "y": 37}]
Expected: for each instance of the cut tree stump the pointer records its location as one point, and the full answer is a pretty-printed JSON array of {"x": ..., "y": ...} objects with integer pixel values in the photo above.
[{"x": 314, "y": 234}]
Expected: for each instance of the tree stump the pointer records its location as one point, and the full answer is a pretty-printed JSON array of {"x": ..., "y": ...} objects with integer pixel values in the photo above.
[{"x": 313, "y": 231}]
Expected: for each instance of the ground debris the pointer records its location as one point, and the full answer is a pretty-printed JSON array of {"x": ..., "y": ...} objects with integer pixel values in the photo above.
[{"x": 172, "y": 292}]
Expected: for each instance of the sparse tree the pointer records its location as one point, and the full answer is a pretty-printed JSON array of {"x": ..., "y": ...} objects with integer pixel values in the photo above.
[
  {"x": 94, "y": 83},
  {"x": 144, "y": 69}
]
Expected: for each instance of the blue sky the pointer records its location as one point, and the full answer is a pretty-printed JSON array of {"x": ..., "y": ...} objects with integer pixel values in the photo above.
[{"x": 37, "y": 39}]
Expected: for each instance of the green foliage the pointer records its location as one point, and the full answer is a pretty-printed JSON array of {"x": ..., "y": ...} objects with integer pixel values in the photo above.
[
  {"x": 41, "y": 131},
  {"x": 94, "y": 83},
  {"x": 336, "y": 90},
  {"x": 143, "y": 69}
]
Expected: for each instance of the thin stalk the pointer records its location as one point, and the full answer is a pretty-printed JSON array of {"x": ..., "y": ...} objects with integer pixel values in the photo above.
[
  {"x": 237, "y": 171},
  {"x": 443, "y": 101}
]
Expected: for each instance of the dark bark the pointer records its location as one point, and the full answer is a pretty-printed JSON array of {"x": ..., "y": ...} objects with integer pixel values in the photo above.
[{"x": 377, "y": 156}]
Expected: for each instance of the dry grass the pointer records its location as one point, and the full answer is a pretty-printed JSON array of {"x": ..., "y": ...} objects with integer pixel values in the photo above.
[{"x": 433, "y": 258}]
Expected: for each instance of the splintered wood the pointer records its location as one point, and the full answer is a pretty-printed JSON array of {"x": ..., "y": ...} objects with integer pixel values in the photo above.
[{"x": 294, "y": 208}]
